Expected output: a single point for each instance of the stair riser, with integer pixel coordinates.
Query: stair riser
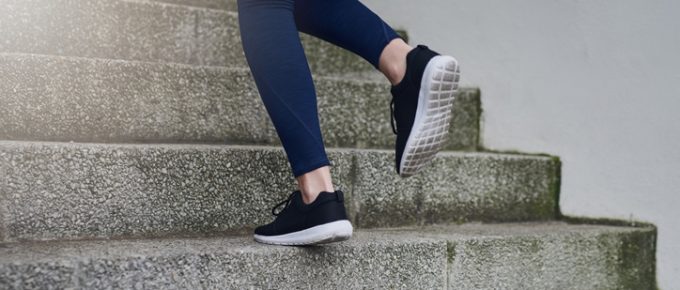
(73, 99)
(573, 261)
(146, 31)
(233, 265)
(65, 191)
(455, 188)
(582, 259)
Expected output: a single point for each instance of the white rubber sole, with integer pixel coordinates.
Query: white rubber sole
(433, 115)
(326, 233)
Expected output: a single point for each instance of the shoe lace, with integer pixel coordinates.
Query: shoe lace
(285, 203)
(393, 121)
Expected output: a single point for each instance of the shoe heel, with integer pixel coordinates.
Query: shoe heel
(339, 231)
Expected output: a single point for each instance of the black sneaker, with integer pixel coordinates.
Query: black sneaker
(322, 221)
(422, 107)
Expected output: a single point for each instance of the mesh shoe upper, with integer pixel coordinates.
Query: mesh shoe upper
(296, 215)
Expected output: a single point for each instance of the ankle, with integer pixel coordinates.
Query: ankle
(314, 182)
(393, 60)
(395, 72)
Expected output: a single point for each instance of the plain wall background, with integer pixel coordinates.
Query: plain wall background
(595, 82)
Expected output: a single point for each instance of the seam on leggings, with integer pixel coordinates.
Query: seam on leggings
(304, 125)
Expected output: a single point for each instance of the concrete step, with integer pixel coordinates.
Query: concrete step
(78, 190)
(472, 256)
(52, 98)
(145, 31)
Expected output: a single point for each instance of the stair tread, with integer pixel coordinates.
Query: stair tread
(549, 255)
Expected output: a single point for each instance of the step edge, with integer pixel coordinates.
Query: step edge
(204, 146)
(453, 232)
(190, 5)
(179, 65)
(180, 6)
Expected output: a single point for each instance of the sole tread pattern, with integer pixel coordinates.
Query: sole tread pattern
(434, 114)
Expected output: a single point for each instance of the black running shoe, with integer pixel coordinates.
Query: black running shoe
(322, 221)
(422, 107)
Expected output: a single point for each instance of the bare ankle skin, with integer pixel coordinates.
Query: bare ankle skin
(392, 61)
(314, 182)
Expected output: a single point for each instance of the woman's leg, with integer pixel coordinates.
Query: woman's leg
(277, 61)
(279, 66)
(424, 83)
(351, 25)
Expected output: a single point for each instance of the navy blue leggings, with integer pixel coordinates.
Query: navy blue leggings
(269, 31)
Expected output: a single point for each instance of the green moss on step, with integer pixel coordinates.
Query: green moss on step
(606, 221)
(480, 113)
(517, 152)
(450, 251)
(556, 185)
(637, 261)
(632, 256)
(550, 207)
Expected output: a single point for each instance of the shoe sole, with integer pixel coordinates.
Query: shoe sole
(433, 115)
(326, 233)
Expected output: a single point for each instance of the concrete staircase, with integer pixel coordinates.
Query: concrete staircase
(136, 153)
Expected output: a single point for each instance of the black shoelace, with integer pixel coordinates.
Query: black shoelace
(393, 121)
(285, 202)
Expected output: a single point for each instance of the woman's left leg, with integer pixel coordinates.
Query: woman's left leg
(423, 82)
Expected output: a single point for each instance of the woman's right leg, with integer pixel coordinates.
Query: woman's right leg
(277, 61)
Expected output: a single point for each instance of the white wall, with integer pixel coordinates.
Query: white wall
(595, 82)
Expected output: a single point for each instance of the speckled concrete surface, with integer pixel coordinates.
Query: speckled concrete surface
(144, 30)
(214, 4)
(226, 263)
(57, 191)
(549, 255)
(472, 256)
(456, 187)
(51, 98)
(61, 190)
